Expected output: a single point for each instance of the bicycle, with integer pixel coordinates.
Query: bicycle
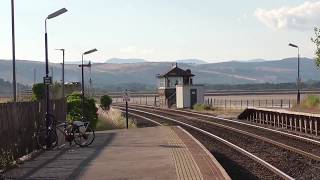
(78, 132)
(47, 138)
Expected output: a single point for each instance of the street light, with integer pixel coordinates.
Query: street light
(298, 79)
(48, 80)
(14, 83)
(62, 70)
(82, 79)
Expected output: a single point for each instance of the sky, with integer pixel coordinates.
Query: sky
(161, 30)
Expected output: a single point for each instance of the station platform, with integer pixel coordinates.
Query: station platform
(144, 153)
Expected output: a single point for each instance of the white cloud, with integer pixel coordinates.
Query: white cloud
(302, 17)
(242, 18)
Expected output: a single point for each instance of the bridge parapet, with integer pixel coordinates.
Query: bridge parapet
(307, 123)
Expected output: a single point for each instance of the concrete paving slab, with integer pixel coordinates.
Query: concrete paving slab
(146, 153)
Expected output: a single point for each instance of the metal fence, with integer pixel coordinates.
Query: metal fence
(245, 103)
(19, 122)
(219, 103)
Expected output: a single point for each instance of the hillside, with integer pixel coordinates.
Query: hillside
(6, 88)
(142, 75)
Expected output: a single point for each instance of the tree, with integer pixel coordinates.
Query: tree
(38, 92)
(316, 41)
(105, 102)
(75, 109)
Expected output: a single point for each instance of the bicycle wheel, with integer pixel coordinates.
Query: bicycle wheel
(82, 138)
(43, 139)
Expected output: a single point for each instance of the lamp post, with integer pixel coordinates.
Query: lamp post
(82, 79)
(63, 95)
(48, 80)
(14, 82)
(298, 79)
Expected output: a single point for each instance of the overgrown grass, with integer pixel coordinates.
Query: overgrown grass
(202, 107)
(6, 159)
(230, 113)
(311, 102)
(112, 119)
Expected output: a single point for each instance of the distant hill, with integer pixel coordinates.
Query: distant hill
(124, 61)
(6, 88)
(143, 75)
(192, 61)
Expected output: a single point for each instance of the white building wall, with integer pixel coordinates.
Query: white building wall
(183, 95)
(179, 97)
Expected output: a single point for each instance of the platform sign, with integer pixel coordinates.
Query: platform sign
(47, 80)
(126, 96)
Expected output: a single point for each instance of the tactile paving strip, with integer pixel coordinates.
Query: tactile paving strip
(186, 167)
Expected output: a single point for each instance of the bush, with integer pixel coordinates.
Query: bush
(75, 108)
(201, 107)
(38, 91)
(105, 102)
(312, 101)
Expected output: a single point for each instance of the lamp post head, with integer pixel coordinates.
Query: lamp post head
(57, 13)
(60, 49)
(293, 45)
(90, 51)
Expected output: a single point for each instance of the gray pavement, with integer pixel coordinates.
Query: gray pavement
(146, 153)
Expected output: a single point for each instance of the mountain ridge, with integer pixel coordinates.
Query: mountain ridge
(143, 74)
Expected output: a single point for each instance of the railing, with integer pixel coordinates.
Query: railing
(247, 103)
(294, 121)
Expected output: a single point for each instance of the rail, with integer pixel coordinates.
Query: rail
(233, 146)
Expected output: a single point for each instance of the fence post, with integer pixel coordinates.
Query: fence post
(230, 103)
(146, 100)
(289, 104)
(266, 102)
(225, 104)
(241, 103)
(155, 101)
(272, 103)
(247, 103)
(211, 102)
(281, 103)
(253, 102)
(259, 103)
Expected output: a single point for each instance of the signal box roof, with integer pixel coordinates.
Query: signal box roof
(177, 72)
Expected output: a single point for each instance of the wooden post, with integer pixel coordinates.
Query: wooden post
(281, 103)
(310, 125)
(295, 122)
(300, 123)
(247, 103)
(211, 102)
(290, 118)
(316, 126)
(259, 103)
(241, 103)
(305, 124)
(272, 103)
(278, 119)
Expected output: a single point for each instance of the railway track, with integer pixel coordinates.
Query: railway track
(289, 156)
